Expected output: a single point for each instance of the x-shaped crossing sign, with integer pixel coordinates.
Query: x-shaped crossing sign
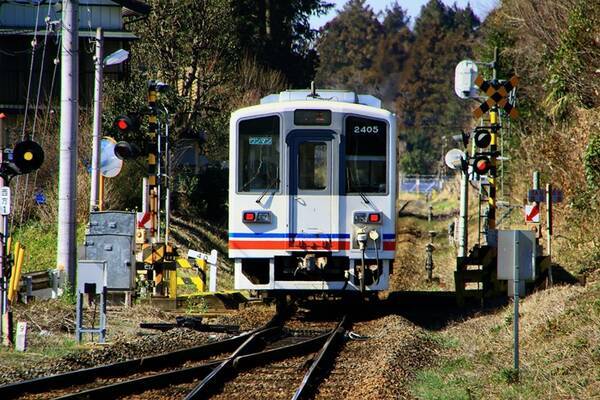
(497, 95)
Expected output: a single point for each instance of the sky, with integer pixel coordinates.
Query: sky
(413, 7)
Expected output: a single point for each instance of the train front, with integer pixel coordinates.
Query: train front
(312, 190)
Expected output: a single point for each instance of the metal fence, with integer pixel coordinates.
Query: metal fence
(421, 183)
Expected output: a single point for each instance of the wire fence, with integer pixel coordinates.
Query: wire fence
(421, 183)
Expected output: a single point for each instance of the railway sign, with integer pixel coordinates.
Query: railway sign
(5, 200)
(539, 195)
(497, 95)
(532, 213)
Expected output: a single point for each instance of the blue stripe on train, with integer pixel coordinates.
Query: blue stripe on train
(386, 236)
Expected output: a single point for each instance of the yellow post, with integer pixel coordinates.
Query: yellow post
(201, 264)
(173, 284)
(101, 194)
(16, 276)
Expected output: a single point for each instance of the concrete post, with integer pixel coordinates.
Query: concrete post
(69, 116)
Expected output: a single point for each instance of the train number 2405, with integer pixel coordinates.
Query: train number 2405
(366, 129)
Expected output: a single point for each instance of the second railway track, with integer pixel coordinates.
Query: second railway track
(230, 369)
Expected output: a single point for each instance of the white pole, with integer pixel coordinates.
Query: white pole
(463, 218)
(167, 181)
(69, 115)
(99, 61)
(517, 283)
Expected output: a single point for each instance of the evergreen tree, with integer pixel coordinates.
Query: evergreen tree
(392, 52)
(427, 106)
(277, 34)
(347, 48)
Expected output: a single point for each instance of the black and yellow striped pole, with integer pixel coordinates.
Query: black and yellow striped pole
(494, 130)
(152, 128)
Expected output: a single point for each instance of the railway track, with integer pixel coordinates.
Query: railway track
(199, 372)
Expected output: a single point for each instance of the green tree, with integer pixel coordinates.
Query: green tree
(277, 34)
(427, 103)
(347, 47)
(392, 52)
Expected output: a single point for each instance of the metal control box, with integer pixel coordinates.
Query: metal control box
(117, 251)
(509, 252)
(91, 272)
(112, 222)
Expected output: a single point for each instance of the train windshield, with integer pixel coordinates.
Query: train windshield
(366, 146)
(258, 157)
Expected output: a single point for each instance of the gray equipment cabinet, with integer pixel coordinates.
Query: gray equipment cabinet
(111, 238)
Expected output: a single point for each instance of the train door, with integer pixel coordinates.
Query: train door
(311, 188)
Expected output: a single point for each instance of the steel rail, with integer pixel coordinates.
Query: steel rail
(223, 370)
(325, 355)
(189, 374)
(77, 377)
(144, 383)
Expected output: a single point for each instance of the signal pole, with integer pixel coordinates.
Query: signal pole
(69, 116)
(493, 148)
(99, 63)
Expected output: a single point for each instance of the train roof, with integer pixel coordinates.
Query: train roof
(336, 100)
(344, 96)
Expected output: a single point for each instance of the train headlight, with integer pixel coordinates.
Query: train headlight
(257, 217)
(361, 218)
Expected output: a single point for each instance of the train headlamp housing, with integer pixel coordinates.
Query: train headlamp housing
(361, 217)
(256, 217)
(365, 217)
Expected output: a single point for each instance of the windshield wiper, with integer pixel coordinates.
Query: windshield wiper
(364, 197)
(271, 184)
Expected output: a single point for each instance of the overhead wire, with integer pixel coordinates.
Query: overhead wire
(36, 111)
(33, 45)
(48, 105)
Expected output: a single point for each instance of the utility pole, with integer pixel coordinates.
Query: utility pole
(4, 265)
(69, 116)
(99, 63)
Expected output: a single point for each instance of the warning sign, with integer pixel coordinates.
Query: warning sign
(532, 213)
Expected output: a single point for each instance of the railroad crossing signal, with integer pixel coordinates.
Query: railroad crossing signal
(497, 95)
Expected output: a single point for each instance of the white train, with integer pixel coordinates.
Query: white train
(312, 193)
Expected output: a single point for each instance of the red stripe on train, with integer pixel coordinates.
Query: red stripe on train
(286, 245)
(296, 245)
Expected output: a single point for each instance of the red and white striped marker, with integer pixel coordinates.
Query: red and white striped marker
(532, 213)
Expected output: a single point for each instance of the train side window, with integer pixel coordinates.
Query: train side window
(258, 154)
(366, 150)
(312, 166)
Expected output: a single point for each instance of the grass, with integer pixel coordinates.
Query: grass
(560, 351)
(40, 241)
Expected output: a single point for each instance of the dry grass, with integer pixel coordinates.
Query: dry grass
(560, 350)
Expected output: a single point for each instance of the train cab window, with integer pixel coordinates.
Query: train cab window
(258, 155)
(312, 166)
(366, 149)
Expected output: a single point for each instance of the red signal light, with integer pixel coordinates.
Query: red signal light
(249, 217)
(122, 124)
(375, 218)
(482, 165)
(127, 123)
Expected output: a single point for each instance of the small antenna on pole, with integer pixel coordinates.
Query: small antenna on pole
(313, 90)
